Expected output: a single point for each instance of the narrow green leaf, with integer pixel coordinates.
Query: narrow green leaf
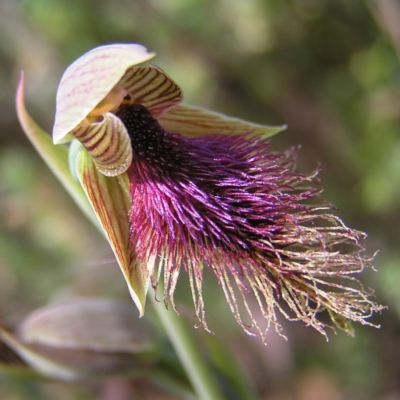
(56, 157)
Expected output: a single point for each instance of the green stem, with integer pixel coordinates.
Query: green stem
(188, 352)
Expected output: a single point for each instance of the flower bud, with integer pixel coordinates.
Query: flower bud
(82, 339)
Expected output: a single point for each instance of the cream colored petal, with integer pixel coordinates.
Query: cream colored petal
(195, 121)
(151, 87)
(88, 80)
(111, 203)
(107, 142)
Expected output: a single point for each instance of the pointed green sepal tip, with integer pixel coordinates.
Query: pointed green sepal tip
(111, 202)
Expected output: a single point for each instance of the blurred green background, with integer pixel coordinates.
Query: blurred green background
(329, 69)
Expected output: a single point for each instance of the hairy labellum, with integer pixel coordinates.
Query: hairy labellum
(231, 204)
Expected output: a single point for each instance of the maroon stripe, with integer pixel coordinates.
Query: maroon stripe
(93, 145)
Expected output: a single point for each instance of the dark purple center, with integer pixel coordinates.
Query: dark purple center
(150, 142)
(209, 193)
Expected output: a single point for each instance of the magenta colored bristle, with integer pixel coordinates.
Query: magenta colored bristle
(230, 203)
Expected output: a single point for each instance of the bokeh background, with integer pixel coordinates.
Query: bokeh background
(327, 68)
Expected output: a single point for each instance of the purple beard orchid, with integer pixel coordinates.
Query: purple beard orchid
(178, 188)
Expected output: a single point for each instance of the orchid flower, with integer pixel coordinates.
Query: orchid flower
(177, 187)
